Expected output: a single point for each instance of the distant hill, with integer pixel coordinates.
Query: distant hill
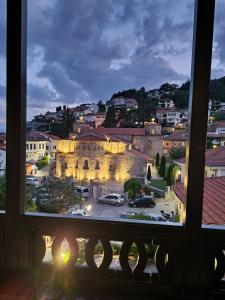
(179, 94)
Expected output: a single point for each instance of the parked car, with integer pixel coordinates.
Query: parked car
(79, 212)
(32, 180)
(82, 191)
(114, 199)
(142, 201)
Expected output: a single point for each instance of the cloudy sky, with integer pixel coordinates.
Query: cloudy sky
(83, 51)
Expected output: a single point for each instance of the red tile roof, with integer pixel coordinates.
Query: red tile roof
(176, 137)
(139, 154)
(37, 136)
(213, 201)
(218, 124)
(121, 131)
(90, 136)
(213, 157)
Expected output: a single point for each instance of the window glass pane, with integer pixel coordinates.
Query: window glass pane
(2, 102)
(107, 100)
(214, 183)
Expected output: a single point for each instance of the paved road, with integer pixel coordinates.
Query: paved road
(111, 211)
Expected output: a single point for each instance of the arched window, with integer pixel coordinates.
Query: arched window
(97, 167)
(85, 167)
(77, 165)
(111, 168)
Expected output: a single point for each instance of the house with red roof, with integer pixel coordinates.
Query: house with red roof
(213, 200)
(214, 164)
(169, 116)
(175, 140)
(40, 144)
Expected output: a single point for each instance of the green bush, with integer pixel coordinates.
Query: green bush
(42, 163)
(132, 187)
(56, 197)
(176, 153)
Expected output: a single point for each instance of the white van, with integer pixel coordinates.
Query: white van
(82, 191)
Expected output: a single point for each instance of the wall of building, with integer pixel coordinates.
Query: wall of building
(97, 161)
(154, 146)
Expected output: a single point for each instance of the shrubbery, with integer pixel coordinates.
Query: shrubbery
(56, 197)
(42, 162)
(177, 152)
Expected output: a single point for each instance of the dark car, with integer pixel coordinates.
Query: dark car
(143, 201)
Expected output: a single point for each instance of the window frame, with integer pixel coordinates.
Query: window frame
(16, 130)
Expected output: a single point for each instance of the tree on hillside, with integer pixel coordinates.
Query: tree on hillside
(162, 167)
(101, 106)
(149, 174)
(157, 160)
(110, 120)
(167, 87)
(170, 176)
(132, 187)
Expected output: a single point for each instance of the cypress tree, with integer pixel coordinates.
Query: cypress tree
(170, 176)
(157, 160)
(162, 167)
(149, 173)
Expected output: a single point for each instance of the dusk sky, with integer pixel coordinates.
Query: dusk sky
(83, 51)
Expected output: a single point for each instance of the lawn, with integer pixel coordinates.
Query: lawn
(159, 184)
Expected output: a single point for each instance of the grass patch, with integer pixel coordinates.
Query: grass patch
(159, 184)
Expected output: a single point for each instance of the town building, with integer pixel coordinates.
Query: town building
(166, 103)
(213, 201)
(99, 118)
(101, 155)
(174, 141)
(40, 144)
(168, 116)
(120, 102)
(214, 164)
(216, 133)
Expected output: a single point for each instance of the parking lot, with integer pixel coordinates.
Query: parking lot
(111, 211)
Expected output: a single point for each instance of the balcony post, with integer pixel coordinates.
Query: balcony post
(16, 127)
(198, 111)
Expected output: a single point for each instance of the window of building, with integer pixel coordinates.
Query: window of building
(97, 166)
(85, 166)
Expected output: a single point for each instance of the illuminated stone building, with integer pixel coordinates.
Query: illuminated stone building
(97, 156)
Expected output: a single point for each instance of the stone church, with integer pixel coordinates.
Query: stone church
(103, 154)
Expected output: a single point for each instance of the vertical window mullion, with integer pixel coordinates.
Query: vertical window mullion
(16, 125)
(198, 111)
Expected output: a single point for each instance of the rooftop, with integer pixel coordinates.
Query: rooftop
(213, 201)
(40, 136)
(176, 137)
(121, 131)
(213, 157)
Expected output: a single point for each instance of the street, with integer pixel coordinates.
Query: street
(96, 209)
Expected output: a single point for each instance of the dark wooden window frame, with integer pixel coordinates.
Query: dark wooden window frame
(15, 219)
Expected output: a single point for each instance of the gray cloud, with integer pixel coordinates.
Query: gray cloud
(83, 39)
(93, 48)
